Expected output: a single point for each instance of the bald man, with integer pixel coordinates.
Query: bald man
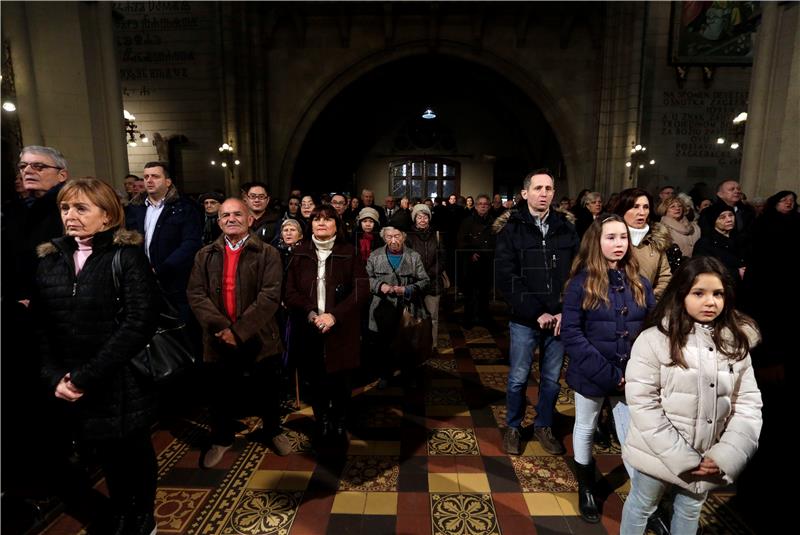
(235, 291)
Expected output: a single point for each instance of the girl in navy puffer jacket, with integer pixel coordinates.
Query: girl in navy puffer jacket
(605, 303)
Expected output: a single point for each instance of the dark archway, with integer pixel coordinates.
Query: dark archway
(490, 119)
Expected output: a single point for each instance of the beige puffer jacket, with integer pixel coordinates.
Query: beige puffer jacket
(651, 254)
(712, 408)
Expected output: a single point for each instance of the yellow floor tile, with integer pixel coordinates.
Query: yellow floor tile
(447, 410)
(533, 448)
(294, 480)
(381, 503)
(442, 482)
(265, 479)
(491, 369)
(373, 447)
(542, 503)
(568, 501)
(349, 502)
(473, 483)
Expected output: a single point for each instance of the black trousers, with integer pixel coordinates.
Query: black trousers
(235, 388)
(131, 470)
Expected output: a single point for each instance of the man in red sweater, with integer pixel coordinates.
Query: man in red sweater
(234, 291)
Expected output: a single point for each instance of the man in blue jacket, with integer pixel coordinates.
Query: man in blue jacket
(172, 229)
(534, 252)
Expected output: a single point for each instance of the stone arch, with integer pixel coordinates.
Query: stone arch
(550, 107)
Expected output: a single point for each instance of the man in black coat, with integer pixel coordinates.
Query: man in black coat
(534, 253)
(476, 242)
(729, 195)
(172, 230)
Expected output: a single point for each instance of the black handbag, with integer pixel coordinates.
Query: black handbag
(170, 351)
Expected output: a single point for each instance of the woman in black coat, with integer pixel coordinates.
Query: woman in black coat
(89, 337)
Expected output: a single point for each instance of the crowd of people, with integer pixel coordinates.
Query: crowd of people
(638, 295)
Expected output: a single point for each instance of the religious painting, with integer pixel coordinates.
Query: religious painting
(713, 33)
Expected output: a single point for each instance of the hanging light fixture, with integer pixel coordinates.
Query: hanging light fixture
(429, 114)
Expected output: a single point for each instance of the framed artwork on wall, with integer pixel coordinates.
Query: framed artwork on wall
(713, 33)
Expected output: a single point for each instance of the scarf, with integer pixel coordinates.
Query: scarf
(638, 234)
(324, 250)
(365, 244)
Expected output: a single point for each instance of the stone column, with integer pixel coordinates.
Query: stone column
(771, 157)
(620, 92)
(68, 83)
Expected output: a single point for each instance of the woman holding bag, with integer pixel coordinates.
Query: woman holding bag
(90, 333)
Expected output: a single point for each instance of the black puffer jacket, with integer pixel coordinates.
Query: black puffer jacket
(531, 269)
(80, 332)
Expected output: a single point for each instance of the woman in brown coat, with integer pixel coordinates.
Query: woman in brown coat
(326, 324)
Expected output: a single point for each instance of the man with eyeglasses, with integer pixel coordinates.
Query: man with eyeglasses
(41, 464)
(265, 218)
(43, 171)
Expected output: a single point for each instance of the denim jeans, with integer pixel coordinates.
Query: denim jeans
(523, 340)
(643, 499)
(587, 410)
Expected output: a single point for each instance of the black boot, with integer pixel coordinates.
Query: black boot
(586, 503)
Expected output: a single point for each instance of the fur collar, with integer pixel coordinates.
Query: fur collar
(502, 220)
(658, 237)
(121, 237)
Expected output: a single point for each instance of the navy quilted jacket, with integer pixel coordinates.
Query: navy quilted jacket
(599, 341)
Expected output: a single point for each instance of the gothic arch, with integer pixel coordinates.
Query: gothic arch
(551, 108)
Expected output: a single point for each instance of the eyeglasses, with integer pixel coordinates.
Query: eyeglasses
(37, 166)
(338, 203)
(257, 197)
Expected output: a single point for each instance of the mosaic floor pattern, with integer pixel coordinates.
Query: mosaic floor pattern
(425, 461)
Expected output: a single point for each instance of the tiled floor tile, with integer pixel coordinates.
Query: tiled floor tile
(381, 503)
(349, 502)
(450, 441)
(542, 503)
(464, 513)
(370, 473)
(473, 483)
(443, 482)
(544, 474)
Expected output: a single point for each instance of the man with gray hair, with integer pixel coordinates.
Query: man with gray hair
(368, 200)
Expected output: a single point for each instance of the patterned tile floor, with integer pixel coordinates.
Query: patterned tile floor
(426, 461)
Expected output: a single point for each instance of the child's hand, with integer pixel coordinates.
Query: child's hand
(707, 467)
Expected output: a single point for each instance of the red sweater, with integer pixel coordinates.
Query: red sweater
(229, 280)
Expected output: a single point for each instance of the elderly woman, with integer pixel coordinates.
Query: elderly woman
(683, 232)
(427, 243)
(650, 241)
(397, 277)
(326, 289)
(90, 334)
(587, 212)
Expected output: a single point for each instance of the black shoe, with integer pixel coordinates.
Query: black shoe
(586, 503)
(511, 441)
(550, 444)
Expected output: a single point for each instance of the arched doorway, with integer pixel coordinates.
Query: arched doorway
(354, 130)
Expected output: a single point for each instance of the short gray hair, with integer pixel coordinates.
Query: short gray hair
(53, 154)
(389, 227)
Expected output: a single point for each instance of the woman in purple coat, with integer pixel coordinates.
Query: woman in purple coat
(605, 303)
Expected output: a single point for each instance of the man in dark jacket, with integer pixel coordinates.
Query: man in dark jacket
(729, 196)
(265, 216)
(235, 291)
(210, 202)
(476, 243)
(172, 230)
(534, 252)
